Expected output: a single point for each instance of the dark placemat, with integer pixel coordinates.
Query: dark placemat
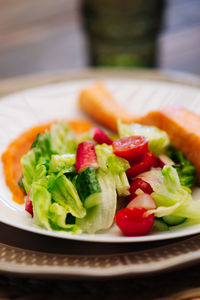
(186, 283)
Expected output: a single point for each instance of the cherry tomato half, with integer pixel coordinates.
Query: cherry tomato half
(133, 221)
(131, 148)
(139, 183)
(148, 161)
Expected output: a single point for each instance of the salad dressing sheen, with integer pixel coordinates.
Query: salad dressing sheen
(20, 146)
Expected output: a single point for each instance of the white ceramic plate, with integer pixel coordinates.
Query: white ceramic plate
(21, 111)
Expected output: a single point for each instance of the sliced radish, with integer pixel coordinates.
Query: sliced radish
(164, 160)
(153, 177)
(29, 204)
(143, 200)
(86, 156)
(101, 137)
(139, 183)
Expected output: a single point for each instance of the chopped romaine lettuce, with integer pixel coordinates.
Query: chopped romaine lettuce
(116, 165)
(41, 200)
(28, 162)
(186, 170)
(65, 194)
(173, 199)
(170, 193)
(158, 139)
(64, 163)
(122, 184)
(41, 145)
(57, 219)
(62, 139)
(103, 152)
(34, 169)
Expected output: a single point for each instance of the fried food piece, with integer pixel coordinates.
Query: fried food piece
(98, 103)
(183, 128)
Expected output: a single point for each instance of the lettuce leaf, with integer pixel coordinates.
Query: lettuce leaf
(158, 139)
(186, 170)
(59, 140)
(47, 214)
(116, 165)
(173, 199)
(65, 194)
(42, 145)
(62, 139)
(103, 152)
(57, 217)
(35, 168)
(64, 163)
(41, 200)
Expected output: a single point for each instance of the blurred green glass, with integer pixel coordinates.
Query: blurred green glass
(122, 33)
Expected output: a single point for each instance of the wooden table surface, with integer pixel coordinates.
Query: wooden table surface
(40, 36)
(46, 36)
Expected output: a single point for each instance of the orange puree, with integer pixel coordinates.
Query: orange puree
(20, 146)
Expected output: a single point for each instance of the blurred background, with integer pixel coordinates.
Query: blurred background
(48, 35)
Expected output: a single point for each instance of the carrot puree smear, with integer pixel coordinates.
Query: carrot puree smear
(20, 146)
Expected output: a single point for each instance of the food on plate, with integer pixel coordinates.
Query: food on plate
(81, 179)
(73, 183)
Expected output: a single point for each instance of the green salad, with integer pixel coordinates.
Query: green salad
(75, 182)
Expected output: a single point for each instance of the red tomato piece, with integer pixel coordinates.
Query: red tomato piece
(131, 148)
(143, 200)
(139, 183)
(154, 159)
(148, 161)
(134, 221)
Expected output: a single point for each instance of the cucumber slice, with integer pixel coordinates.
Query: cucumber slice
(173, 220)
(159, 225)
(101, 217)
(88, 187)
(92, 200)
